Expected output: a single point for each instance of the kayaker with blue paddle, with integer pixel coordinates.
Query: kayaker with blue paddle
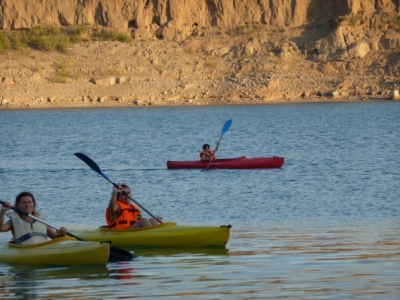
(122, 214)
(207, 154)
(25, 229)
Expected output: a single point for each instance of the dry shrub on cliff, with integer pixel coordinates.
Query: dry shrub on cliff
(50, 43)
(11, 40)
(110, 35)
(56, 38)
(40, 38)
(244, 30)
(62, 72)
(4, 43)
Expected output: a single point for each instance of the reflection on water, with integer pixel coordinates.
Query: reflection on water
(123, 271)
(180, 251)
(23, 282)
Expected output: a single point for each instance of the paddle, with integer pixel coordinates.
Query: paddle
(116, 254)
(87, 160)
(226, 127)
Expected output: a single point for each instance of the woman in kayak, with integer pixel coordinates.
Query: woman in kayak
(121, 214)
(207, 154)
(25, 229)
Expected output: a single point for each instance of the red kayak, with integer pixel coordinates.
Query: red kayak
(241, 162)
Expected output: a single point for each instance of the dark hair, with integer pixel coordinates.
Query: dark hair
(23, 194)
(123, 185)
(206, 145)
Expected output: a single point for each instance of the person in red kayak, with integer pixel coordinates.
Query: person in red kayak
(122, 214)
(25, 229)
(207, 154)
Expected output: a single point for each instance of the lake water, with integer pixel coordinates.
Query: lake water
(325, 226)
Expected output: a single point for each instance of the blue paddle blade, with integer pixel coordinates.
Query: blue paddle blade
(87, 160)
(226, 127)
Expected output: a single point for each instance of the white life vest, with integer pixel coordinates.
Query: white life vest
(26, 233)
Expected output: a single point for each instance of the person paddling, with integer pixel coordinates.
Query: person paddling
(207, 154)
(121, 214)
(25, 229)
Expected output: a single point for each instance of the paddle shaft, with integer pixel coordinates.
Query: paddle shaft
(225, 128)
(115, 253)
(41, 221)
(209, 163)
(87, 160)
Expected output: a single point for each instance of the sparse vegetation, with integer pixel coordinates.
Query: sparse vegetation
(356, 20)
(244, 30)
(62, 73)
(56, 39)
(79, 33)
(4, 43)
(110, 35)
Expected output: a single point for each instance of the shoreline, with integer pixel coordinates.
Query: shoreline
(100, 105)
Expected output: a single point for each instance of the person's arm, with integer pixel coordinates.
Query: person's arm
(56, 234)
(205, 157)
(113, 205)
(7, 225)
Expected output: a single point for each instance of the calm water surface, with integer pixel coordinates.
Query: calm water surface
(325, 226)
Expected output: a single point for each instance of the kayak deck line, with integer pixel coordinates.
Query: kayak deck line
(168, 234)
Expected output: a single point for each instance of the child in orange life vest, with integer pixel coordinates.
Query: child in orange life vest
(207, 154)
(121, 214)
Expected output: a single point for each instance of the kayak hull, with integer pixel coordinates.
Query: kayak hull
(63, 251)
(167, 234)
(242, 162)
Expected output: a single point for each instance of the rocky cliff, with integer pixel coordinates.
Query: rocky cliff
(206, 51)
(178, 19)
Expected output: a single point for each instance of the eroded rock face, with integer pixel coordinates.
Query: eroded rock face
(178, 19)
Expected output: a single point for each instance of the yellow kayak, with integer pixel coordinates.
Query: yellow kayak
(163, 235)
(65, 251)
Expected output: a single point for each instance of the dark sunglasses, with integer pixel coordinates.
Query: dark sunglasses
(124, 193)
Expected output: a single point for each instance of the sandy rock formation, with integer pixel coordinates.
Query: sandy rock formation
(205, 52)
(178, 19)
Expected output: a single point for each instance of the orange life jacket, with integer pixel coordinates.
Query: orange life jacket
(129, 215)
(209, 154)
